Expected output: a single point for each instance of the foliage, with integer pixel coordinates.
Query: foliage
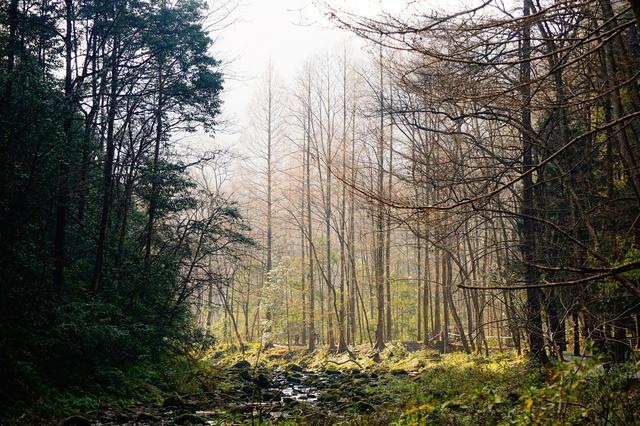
(82, 162)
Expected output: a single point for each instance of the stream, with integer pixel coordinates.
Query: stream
(254, 396)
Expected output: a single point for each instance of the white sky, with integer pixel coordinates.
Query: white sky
(285, 32)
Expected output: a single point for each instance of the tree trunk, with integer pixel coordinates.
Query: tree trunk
(534, 317)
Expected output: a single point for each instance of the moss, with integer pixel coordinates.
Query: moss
(189, 419)
(76, 421)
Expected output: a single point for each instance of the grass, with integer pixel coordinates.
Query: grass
(397, 388)
(425, 387)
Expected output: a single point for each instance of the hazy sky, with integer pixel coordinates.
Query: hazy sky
(285, 32)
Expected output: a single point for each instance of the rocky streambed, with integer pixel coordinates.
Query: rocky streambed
(246, 394)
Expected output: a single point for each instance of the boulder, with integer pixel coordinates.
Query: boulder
(173, 401)
(189, 419)
(242, 365)
(365, 407)
(123, 417)
(76, 421)
(271, 396)
(262, 381)
(294, 367)
(147, 417)
(293, 379)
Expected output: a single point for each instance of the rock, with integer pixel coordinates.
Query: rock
(513, 396)
(247, 390)
(365, 407)
(293, 379)
(189, 419)
(311, 382)
(76, 421)
(294, 367)
(242, 365)
(146, 417)
(173, 401)
(357, 373)
(190, 404)
(244, 375)
(329, 396)
(271, 395)
(262, 381)
(123, 417)
(412, 346)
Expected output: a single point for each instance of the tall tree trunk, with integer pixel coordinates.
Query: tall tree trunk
(63, 172)
(437, 327)
(352, 239)
(387, 259)
(445, 302)
(303, 272)
(342, 345)
(426, 293)
(153, 199)
(534, 316)
(379, 256)
(454, 311)
(312, 320)
(12, 43)
(107, 171)
(419, 267)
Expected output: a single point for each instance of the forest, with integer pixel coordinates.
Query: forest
(434, 222)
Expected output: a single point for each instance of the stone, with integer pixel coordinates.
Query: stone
(365, 407)
(123, 417)
(76, 421)
(189, 419)
(271, 396)
(295, 367)
(242, 365)
(293, 379)
(329, 396)
(147, 417)
(357, 373)
(244, 375)
(262, 381)
(247, 390)
(173, 401)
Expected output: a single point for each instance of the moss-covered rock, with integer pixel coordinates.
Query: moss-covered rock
(147, 417)
(242, 365)
(173, 401)
(294, 367)
(76, 421)
(189, 419)
(262, 381)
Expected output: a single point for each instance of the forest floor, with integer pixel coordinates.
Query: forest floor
(403, 385)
